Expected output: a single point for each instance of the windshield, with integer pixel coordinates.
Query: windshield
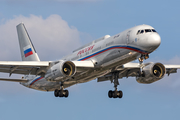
(145, 31)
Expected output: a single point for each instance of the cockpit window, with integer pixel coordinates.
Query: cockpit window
(153, 30)
(138, 32)
(147, 30)
(142, 31)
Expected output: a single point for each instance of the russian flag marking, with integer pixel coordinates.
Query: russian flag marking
(28, 52)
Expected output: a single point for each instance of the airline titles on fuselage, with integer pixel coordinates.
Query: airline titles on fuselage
(85, 50)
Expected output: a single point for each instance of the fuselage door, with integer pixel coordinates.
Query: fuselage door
(128, 37)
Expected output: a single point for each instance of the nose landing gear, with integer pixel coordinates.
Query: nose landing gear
(141, 59)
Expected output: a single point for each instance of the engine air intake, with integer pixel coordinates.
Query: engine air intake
(68, 69)
(152, 72)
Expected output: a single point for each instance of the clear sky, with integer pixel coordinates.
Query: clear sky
(57, 27)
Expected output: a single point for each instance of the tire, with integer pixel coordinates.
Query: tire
(66, 93)
(56, 93)
(110, 94)
(120, 94)
(114, 94)
(60, 93)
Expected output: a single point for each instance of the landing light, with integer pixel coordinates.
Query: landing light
(130, 53)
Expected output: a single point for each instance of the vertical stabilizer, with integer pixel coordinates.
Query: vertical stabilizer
(28, 52)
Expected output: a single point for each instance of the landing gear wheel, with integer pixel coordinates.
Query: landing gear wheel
(56, 92)
(61, 93)
(120, 94)
(115, 94)
(66, 93)
(110, 94)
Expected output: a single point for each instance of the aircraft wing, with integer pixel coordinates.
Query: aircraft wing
(14, 80)
(23, 67)
(171, 69)
(36, 67)
(131, 69)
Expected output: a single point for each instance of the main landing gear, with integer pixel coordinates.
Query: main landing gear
(115, 93)
(61, 92)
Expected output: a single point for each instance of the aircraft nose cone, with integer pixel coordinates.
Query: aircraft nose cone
(154, 40)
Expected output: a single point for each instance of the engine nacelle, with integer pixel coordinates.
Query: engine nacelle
(152, 73)
(62, 69)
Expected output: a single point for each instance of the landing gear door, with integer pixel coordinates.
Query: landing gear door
(128, 37)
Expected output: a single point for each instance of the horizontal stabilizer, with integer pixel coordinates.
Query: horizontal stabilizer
(14, 80)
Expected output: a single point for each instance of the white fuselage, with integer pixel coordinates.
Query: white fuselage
(107, 54)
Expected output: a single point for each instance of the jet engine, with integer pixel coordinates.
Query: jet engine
(60, 70)
(151, 73)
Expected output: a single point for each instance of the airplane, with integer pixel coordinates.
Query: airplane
(108, 58)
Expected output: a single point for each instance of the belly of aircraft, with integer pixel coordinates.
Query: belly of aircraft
(85, 76)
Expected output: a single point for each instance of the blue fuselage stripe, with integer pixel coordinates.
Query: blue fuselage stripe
(115, 47)
(35, 80)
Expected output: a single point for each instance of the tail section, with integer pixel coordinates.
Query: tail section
(28, 52)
